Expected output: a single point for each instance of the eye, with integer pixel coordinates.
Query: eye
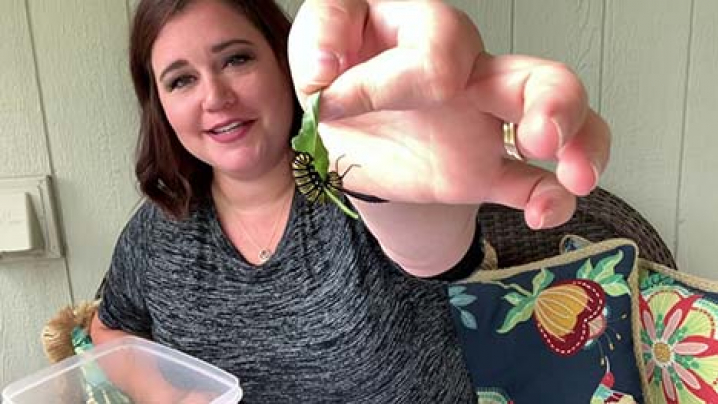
(238, 59)
(180, 82)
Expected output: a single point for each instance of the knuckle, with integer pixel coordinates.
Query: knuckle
(324, 19)
(441, 80)
(364, 99)
(448, 62)
(564, 72)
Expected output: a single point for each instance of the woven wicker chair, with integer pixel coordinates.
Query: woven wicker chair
(599, 216)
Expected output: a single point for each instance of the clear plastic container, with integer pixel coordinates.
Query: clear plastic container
(128, 370)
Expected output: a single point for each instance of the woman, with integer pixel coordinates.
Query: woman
(228, 262)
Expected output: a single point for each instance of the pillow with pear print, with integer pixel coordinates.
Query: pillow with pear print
(552, 331)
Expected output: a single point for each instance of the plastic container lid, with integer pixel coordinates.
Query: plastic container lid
(102, 369)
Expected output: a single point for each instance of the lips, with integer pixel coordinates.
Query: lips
(226, 128)
(230, 131)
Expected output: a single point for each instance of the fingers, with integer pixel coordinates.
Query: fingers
(550, 105)
(548, 200)
(389, 55)
(545, 202)
(582, 161)
(325, 37)
(545, 98)
(414, 55)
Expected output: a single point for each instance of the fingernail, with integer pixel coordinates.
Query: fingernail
(552, 193)
(561, 136)
(548, 218)
(326, 67)
(542, 219)
(597, 168)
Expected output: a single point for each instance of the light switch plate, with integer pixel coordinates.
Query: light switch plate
(39, 188)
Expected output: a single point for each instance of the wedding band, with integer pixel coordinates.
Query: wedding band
(512, 150)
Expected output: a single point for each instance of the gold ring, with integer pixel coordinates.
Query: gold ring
(512, 150)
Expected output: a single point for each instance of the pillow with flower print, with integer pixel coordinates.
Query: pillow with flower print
(675, 332)
(552, 331)
(677, 335)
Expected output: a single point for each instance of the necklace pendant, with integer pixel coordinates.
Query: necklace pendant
(265, 255)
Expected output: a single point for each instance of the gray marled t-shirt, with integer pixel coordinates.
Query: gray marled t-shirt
(328, 319)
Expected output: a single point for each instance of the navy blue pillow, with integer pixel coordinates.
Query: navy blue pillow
(553, 331)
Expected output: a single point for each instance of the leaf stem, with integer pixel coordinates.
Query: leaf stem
(341, 204)
(509, 287)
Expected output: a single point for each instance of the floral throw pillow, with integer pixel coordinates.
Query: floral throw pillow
(677, 335)
(675, 332)
(553, 331)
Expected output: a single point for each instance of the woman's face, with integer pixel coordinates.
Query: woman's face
(223, 90)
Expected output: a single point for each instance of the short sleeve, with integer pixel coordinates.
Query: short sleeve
(123, 300)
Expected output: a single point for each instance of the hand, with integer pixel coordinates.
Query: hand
(195, 397)
(412, 97)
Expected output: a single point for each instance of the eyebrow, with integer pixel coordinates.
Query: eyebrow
(177, 64)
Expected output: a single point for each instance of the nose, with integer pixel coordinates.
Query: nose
(218, 95)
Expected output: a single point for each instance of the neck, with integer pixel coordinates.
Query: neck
(255, 196)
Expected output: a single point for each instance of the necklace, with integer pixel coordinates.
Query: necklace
(265, 253)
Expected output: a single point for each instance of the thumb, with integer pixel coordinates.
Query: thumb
(325, 37)
(545, 202)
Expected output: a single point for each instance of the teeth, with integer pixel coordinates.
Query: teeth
(227, 128)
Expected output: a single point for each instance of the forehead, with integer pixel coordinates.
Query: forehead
(200, 25)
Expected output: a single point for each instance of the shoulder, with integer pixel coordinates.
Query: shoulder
(145, 217)
(150, 224)
(137, 231)
(150, 216)
(152, 239)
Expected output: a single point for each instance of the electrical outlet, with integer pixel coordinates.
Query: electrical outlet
(39, 240)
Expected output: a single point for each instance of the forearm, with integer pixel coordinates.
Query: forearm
(424, 239)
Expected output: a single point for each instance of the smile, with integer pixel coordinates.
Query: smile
(230, 132)
(226, 128)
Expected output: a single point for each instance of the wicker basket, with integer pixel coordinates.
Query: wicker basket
(599, 216)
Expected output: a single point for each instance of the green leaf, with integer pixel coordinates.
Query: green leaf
(541, 280)
(615, 286)
(616, 278)
(585, 271)
(606, 267)
(334, 198)
(456, 290)
(617, 289)
(517, 315)
(308, 139)
(514, 298)
(462, 300)
(468, 320)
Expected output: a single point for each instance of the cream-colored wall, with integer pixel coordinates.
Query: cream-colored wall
(66, 110)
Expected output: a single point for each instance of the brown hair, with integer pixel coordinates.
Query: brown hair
(167, 173)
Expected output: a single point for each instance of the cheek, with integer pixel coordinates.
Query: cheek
(283, 113)
(274, 97)
(178, 114)
(284, 103)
